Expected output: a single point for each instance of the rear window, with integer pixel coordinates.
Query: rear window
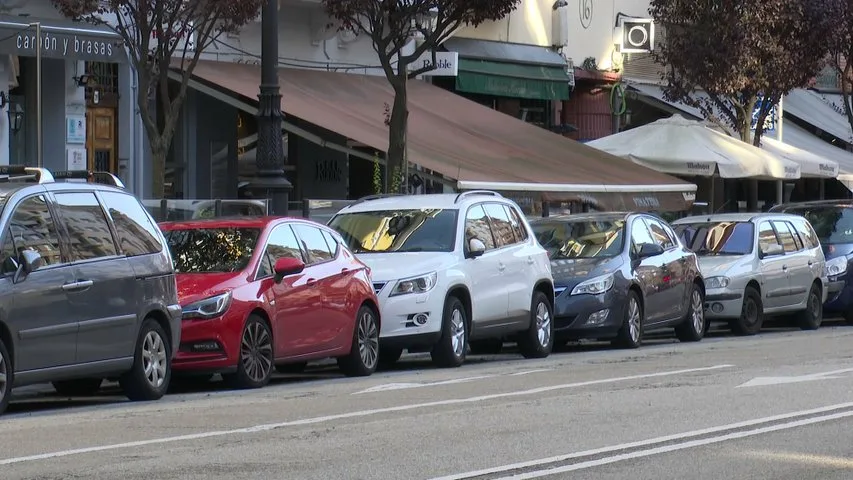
(833, 225)
(212, 250)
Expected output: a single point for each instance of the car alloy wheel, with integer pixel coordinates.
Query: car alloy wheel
(457, 330)
(543, 324)
(368, 339)
(256, 352)
(697, 311)
(154, 359)
(634, 320)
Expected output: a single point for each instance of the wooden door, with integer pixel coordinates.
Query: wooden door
(101, 139)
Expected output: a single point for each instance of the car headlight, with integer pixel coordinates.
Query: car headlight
(210, 307)
(594, 286)
(717, 282)
(835, 267)
(419, 284)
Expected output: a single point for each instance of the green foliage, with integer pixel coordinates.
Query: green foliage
(737, 51)
(377, 174)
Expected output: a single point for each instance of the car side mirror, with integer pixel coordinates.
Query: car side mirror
(476, 248)
(28, 262)
(772, 250)
(649, 250)
(287, 266)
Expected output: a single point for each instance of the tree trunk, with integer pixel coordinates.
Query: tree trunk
(158, 168)
(745, 130)
(398, 125)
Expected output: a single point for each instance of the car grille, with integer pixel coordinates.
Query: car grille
(378, 286)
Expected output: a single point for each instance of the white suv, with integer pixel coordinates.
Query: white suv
(449, 268)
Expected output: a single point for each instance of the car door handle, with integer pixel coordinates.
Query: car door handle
(311, 282)
(811, 263)
(344, 270)
(501, 267)
(77, 286)
(530, 260)
(784, 267)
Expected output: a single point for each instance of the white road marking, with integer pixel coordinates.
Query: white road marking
(658, 440)
(801, 458)
(527, 372)
(764, 381)
(402, 386)
(341, 416)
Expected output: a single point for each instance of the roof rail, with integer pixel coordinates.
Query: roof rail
(105, 178)
(476, 192)
(9, 173)
(374, 197)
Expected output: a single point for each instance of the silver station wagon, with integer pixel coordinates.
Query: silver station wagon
(758, 264)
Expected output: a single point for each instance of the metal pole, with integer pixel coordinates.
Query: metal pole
(269, 161)
(39, 146)
(780, 188)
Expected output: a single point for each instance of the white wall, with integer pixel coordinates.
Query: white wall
(529, 24)
(304, 42)
(594, 37)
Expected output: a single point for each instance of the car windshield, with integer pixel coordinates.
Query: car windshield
(833, 225)
(421, 230)
(212, 250)
(581, 239)
(717, 238)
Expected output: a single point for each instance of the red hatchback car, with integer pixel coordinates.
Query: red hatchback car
(270, 292)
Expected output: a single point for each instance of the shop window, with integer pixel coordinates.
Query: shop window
(536, 112)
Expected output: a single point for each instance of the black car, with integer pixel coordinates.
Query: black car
(619, 275)
(833, 223)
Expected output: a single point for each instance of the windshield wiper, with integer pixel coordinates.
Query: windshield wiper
(411, 249)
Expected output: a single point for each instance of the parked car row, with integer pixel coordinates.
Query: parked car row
(94, 290)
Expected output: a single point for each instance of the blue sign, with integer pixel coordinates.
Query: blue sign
(769, 121)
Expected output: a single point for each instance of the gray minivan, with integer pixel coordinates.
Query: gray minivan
(87, 288)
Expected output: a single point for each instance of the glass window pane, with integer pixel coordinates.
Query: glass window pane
(786, 237)
(501, 226)
(766, 237)
(89, 232)
(315, 246)
(477, 226)
(516, 223)
(137, 234)
(32, 228)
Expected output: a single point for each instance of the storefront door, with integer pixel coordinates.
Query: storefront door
(101, 139)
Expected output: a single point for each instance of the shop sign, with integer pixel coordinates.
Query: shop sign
(446, 64)
(62, 43)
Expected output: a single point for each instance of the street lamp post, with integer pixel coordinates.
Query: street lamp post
(270, 181)
(39, 139)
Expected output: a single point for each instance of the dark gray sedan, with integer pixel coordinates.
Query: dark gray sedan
(619, 275)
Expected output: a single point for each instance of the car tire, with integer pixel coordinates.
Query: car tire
(492, 346)
(452, 346)
(812, 316)
(751, 316)
(292, 368)
(148, 378)
(256, 358)
(631, 333)
(692, 329)
(83, 387)
(389, 356)
(7, 376)
(363, 357)
(538, 340)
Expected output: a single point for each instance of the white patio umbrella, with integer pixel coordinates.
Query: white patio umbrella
(811, 165)
(681, 146)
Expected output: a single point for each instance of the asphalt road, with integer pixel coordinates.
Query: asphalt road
(776, 406)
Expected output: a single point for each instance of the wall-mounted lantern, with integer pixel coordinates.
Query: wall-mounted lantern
(16, 117)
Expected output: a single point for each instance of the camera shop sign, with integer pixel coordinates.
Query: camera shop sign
(65, 44)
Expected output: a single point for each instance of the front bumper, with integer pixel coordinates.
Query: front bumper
(839, 295)
(723, 303)
(414, 315)
(589, 316)
(208, 346)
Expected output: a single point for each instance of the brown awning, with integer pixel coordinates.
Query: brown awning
(475, 145)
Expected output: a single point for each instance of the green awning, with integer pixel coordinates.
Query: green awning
(512, 79)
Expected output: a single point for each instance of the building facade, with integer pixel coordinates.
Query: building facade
(88, 120)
